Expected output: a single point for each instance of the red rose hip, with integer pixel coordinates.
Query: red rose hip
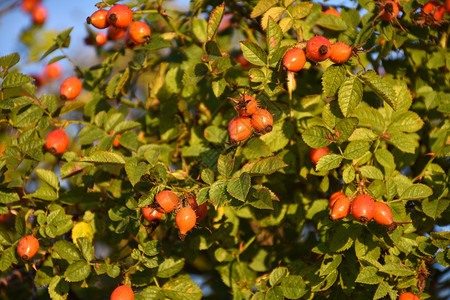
(383, 214)
(239, 129)
(28, 247)
(363, 208)
(294, 60)
(123, 292)
(57, 142)
(70, 88)
(318, 48)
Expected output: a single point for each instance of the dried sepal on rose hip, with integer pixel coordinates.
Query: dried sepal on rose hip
(432, 14)
(246, 105)
(388, 11)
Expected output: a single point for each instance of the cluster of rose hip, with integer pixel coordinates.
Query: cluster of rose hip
(432, 13)
(188, 213)
(317, 49)
(37, 11)
(363, 209)
(119, 21)
(249, 116)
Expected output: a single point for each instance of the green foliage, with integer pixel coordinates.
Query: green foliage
(383, 115)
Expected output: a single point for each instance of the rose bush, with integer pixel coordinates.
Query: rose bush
(382, 114)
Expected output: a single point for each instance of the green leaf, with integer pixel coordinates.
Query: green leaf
(302, 9)
(125, 125)
(293, 287)
(199, 28)
(381, 87)
(370, 117)
(239, 187)
(7, 196)
(152, 248)
(182, 288)
(274, 14)
(70, 106)
(261, 199)
(9, 61)
(371, 172)
(407, 121)
(225, 165)
(396, 269)
(403, 141)
(194, 74)
(332, 79)
(45, 192)
(67, 251)
(214, 21)
(58, 288)
(219, 85)
(71, 168)
(434, 207)
(63, 39)
(385, 158)
(151, 156)
(344, 129)
(77, 271)
(135, 170)
(15, 80)
(382, 290)
(7, 258)
(261, 7)
(317, 137)
(202, 195)
(350, 95)
(49, 177)
(331, 22)
(86, 248)
(274, 37)
(254, 53)
(368, 275)
(207, 176)
(348, 175)
(28, 116)
(215, 134)
(101, 156)
(355, 150)
(416, 191)
(343, 238)
(277, 275)
(328, 162)
(169, 267)
(264, 166)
